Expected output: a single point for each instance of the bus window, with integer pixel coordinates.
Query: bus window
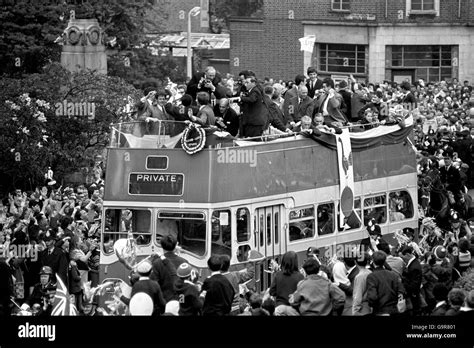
(120, 221)
(301, 224)
(243, 253)
(276, 231)
(261, 230)
(269, 228)
(221, 233)
(325, 219)
(189, 229)
(243, 225)
(354, 220)
(400, 206)
(375, 208)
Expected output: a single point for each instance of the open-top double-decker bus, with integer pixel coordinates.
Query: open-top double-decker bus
(277, 194)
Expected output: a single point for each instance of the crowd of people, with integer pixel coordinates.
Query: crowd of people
(429, 273)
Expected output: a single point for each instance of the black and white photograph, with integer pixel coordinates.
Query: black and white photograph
(223, 159)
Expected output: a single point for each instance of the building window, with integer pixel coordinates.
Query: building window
(342, 58)
(340, 5)
(423, 5)
(431, 63)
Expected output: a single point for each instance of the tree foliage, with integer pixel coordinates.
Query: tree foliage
(222, 10)
(29, 28)
(35, 135)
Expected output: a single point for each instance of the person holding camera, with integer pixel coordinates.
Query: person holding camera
(207, 81)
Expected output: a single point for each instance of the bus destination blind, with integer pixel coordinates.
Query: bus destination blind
(156, 184)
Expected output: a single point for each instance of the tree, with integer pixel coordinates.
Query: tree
(222, 10)
(30, 29)
(37, 131)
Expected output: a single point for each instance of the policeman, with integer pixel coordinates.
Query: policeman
(40, 295)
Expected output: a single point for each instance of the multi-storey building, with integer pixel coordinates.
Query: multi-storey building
(374, 40)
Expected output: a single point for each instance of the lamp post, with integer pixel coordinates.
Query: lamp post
(189, 68)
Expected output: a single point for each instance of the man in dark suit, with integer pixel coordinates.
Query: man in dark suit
(217, 290)
(408, 100)
(412, 277)
(313, 84)
(329, 104)
(207, 81)
(346, 97)
(450, 176)
(54, 257)
(205, 116)
(227, 118)
(180, 112)
(275, 115)
(300, 81)
(254, 110)
(300, 106)
(383, 287)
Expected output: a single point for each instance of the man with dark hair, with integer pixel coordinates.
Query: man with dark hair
(180, 112)
(408, 99)
(168, 243)
(254, 110)
(346, 97)
(412, 277)
(383, 287)
(236, 278)
(329, 104)
(316, 295)
(313, 84)
(360, 304)
(217, 291)
(440, 293)
(205, 115)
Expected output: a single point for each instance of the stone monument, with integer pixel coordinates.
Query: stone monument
(83, 46)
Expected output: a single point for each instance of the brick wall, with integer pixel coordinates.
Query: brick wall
(274, 50)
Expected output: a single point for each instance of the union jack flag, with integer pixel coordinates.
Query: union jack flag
(62, 305)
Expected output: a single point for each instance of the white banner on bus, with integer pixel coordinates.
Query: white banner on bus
(346, 175)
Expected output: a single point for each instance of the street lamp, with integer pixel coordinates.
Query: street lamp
(189, 68)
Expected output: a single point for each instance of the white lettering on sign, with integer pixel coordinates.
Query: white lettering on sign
(156, 178)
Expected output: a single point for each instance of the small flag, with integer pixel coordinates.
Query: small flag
(62, 305)
(307, 43)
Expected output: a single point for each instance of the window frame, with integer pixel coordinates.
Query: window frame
(410, 11)
(125, 233)
(301, 219)
(339, 4)
(205, 218)
(323, 58)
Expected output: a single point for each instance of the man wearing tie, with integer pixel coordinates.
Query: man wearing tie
(329, 104)
(300, 106)
(313, 84)
(154, 111)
